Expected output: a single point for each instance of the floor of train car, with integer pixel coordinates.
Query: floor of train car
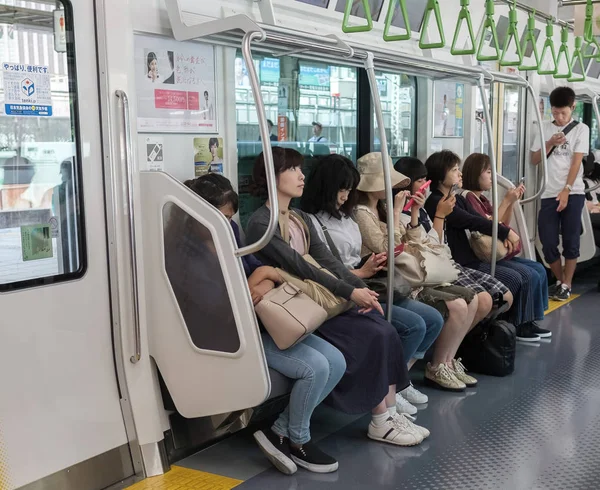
(537, 429)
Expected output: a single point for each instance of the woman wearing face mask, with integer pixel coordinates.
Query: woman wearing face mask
(371, 346)
(314, 364)
(330, 198)
(459, 306)
(477, 178)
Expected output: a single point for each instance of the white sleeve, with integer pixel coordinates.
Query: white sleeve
(537, 145)
(582, 141)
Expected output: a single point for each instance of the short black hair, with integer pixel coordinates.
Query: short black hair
(474, 166)
(212, 142)
(215, 189)
(283, 159)
(270, 123)
(413, 168)
(562, 97)
(439, 164)
(331, 174)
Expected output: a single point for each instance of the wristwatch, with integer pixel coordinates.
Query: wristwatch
(570, 187)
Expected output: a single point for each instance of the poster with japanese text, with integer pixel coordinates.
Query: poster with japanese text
(26, 90)
(176, 86)
(208, 156)
(448, 117)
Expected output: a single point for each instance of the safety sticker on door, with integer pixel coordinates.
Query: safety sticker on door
(36, 242)
(27, 90)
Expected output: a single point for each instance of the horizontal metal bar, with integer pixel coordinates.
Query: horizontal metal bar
(538, 14)
(569, 3)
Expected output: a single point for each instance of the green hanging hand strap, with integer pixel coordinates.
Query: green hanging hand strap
(577, 58)
(490, 24)
(432, 6)
(390, 17)
(563, 52)
(347, 28)
(530, 38)
(512, 34)
(588, 34)
(548, 46)
(463, 16)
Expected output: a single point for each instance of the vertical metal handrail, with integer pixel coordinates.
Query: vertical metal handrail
(595, 101)
(266, 144)
(544, 179)
(492, 155)
(132, 238)
(389, 198)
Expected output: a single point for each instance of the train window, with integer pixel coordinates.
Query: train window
(398, 101)
(317, 3)
(358, 9)
(195, 274)
(297, 93)
(416, 14)
(41, 218)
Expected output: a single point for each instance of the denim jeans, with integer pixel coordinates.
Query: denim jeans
(418, 326)
(540, 300)
(317, 366)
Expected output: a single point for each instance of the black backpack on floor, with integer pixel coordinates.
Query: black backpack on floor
(490, 348)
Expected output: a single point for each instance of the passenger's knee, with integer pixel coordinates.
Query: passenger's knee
(337, 364)
(458, 309)
(320, 367)
(508, 297)
(485, 303)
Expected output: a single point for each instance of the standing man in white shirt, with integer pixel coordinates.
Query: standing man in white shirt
(317, 130)
(564, 197)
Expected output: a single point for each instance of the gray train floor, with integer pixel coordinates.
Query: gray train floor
(536, 429)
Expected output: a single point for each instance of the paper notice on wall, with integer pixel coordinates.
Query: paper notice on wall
(155, 154)
(36, 242)
(27, 90)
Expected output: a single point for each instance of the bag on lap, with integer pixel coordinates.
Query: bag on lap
(423, 265)
(490, 348)
(289, 315)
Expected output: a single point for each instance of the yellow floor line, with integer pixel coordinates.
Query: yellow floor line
(555, 305)
(185, 479)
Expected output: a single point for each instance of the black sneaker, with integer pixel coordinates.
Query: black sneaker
(539, 331)
(525, 333)
(562, 294)
(277, 449)
(552, 290)
(310, 457)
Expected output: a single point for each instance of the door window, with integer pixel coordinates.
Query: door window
(41, 219)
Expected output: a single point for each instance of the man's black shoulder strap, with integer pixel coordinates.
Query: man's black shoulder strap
(565, 131)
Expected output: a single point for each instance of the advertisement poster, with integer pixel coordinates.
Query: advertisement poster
(315, 77)
(26, 90)
(176, 86)
(448, 117)
(155, 159)
(545, 108)
(269, 72)
(208, 156)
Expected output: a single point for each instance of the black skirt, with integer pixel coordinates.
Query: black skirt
(374, 360)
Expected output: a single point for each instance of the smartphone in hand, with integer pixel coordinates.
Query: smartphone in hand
(454, 190)
(398, 250)
(422, 190)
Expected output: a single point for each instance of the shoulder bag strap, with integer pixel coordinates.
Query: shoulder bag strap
(332, 246)
(566, 131)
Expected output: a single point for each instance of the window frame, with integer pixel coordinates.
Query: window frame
(77, 170)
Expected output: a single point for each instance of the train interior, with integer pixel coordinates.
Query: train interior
(110, 106)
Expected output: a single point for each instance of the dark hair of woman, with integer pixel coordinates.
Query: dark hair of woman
(329, 176)
(413, 168)
(283, 159)
(151, 57)
(213, 142)
(474, 166)
(214, 189)
(439, 164)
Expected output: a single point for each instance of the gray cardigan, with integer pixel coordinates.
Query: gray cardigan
(278, 253)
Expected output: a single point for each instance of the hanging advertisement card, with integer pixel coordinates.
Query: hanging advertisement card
(208, 156)
(448, 117)
(176, 86)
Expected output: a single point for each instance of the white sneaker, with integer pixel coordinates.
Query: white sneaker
(404, 406)
(421, 430)
(412, 395)
(395, 430)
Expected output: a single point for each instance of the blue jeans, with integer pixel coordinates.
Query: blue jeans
(541, 287)
(317, 366)
(418, 326)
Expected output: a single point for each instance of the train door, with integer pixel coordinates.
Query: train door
(61, 423)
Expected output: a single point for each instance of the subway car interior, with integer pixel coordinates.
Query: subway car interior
(131, 352)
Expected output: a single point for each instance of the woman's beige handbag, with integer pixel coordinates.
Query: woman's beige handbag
(482, 247)
(423, 265)
(289, 315)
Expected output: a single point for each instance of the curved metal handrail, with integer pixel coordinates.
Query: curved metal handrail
(266, 144)
(389, 198)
